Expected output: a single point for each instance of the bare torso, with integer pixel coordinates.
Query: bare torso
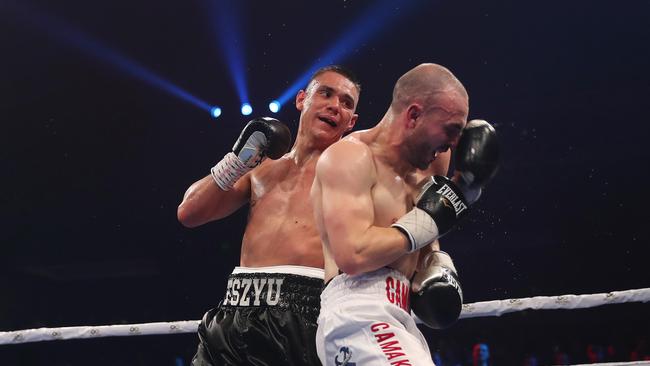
(392, 196)
(281, 229)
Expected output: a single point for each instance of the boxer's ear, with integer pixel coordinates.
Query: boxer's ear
(300, 99)
(353, 120)
(413, 112)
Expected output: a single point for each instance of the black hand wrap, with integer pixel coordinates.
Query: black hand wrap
(437, 298)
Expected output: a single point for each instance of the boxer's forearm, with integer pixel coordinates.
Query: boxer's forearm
(204, 201)
(368, 250)
(424, 252)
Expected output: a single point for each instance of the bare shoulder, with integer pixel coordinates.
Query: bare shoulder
(272, 169)
(347, 161)
(346, 153)
(356, 135)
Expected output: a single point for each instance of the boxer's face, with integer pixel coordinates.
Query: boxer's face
(327, 107)
(436, 128)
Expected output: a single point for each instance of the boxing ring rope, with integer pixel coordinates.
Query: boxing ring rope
(80, 332)
(472, 310)
(632, 363)
(499, 307)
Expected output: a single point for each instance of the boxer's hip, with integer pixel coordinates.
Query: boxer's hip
(362, 316)
(268, 314)
(278, 287)
(385, 287)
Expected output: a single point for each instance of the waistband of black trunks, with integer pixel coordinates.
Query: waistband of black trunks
(276, 286)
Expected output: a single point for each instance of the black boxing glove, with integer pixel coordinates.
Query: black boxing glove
(261, 137)
(436, 295)
(438, 207)
(476, 158)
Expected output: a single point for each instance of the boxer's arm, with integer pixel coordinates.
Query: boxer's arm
(228, 186)
(424, 252)
(205, 201)
(346, 175)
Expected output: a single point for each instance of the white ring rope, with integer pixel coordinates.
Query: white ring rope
(498, 307)
(473, 310)
(633, 363)
(118, 330)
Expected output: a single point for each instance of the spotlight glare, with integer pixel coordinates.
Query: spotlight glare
(215, 112)
(376, 20)
(274, 106)
(246, 109)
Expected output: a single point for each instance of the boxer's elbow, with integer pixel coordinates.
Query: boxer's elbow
(187, 216)
(352, 261)
(350, 265)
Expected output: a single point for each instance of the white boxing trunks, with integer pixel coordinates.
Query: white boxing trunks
(366, 320)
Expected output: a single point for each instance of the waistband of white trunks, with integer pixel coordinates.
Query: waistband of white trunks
(286, 269)
(370, 283)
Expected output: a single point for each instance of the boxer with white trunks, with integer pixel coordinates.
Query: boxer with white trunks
(379, 216)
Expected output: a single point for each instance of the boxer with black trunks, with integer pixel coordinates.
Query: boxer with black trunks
(269, 311)
(380, 216)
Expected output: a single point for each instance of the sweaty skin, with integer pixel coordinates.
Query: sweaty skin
(391, 197)
(367, 181)
(281, 228)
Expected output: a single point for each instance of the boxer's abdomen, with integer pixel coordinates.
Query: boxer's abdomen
(281, 227)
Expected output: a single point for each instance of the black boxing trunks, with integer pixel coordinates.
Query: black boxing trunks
(267, 317)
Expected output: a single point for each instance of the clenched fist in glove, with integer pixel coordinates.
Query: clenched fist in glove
(261, 137)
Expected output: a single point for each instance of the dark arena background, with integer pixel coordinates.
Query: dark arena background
(107, 112)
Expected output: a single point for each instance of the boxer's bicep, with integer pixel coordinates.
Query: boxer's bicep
(345, 173)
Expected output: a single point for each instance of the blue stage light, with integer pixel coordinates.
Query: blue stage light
(246, 109)
(215, 112)
(72, 36)
(226, 23)
(274, 106)
(374, 21)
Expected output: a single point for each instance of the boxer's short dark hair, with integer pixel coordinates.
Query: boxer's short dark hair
(342, 70)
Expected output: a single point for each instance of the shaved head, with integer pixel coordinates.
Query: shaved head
(422, 83)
